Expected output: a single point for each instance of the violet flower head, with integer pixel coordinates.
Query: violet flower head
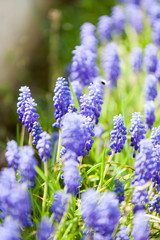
(84, 67)
(118, 19)
(137, 131)
(133, 10)
(44, 146)
(10, 229)
(156, 32)
(153, 11)
(45, 229)
(59, 205)
(140, 229)
(149, 113)
(155, 136)
(36, 131)
(150, 58)
(155, 204)
(150, 87)
(88, 36)
(77, 89)
(23, 96)
(27, 164)
(123, 233)
(156, 173)
(111, 63)
(104, 28)
(118, 134)
(157, 73)
(61, 99)
(99, 130)
(119, 190)
(136, 59)
(12, 154)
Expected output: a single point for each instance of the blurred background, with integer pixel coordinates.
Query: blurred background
(36, 42)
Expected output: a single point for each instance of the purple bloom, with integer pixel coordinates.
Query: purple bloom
(84, 67)
(88, 36)
(61, 99)
(150, 58)
(111, 63)
(137, 131)
(44, 146)
(27, 164)
(36, 131)
(150, 87)
(136, 22)
(118, 19)
(77, 89)
(104, 28)
(123, 233)
(59, 204)
(157, 73)
(136, 59)
(155, 136)
(149, 113)
(10, 229)
(99, 130)
(45, 229)
(119, 190)
(153, 11)
(140, 229)
(12, 154)
(155, 204)
(156, 173)
(156, 32)
(118, 134)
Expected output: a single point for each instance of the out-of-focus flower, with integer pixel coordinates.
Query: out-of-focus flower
(44, 146)
(140, 229)
(12, 154)
(150, 87)
(45, 229)
(150, 57)
(118, 19)
(149, 113)
(104, 28)
(136, 59)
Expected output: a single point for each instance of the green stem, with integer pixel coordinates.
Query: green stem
(45, 188)
(22, 135)
(30, 139)
(59, 146)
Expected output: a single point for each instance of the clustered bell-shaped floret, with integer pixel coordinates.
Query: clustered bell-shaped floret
(149, 113)
(118, 19)
(12, 154)
(155, 204)
(136, 59)
(36, 131)
(137, 131)
(10, 229)
(119, 190)
(155, 136)
(150, 88)
(140, 229)
(44, 146)
(23, 96)
(123, 233)
(61, 99)
(150, 58)
(104, 28)
(45, 229)
(118, 134)
(157, 73)
(156, 32)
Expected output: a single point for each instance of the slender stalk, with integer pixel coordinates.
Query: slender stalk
(30, 139)
(22, 135)
(45, 188)
(59, 146)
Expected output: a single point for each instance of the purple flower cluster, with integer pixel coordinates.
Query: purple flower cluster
(45, 229)
(12, 154)
(140, 229)
(150, 87)
(10, 229)
(44, 146)
(150, 58)
(119, 190)
(77, 89)
(136, 59)
(123, 233)
(137, 131)
(61, 99)
(157, 73)
(155, 136)
(118, 19)
(155, 204)
(104, 28)
(36, 131)
(118, 134)
(111, 63)
(149, 113)
(156, 32)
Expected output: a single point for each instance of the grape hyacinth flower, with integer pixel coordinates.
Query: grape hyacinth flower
(155, 136)
(111, 63)
(156, 32)
(119, 190)
(27, 164)
(118, 19)
(123, 233)
(61, 99)
(44, 146)
(150, 58)
(12, 154)
(155, 204)
(157, 73)
(137, 131)
(84, 67)
(104, 28)
(10, 229)
(99, 130)
(150, 87)
(136, 59)
(156, 174)
(149, 113)
(88, 36)
(133, 10)
(36, 131)
(153, 11)
(45, 229)
(59, 205)
(118, 134)
(140, 229)
(77, 89)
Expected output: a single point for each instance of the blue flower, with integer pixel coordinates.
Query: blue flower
(150, 58)
(157, 73)
(155, 136)
(44, 146)
(45, 229)
(118, 135)
(36, 131)
(150, 87)
(136, 60)
(123, 233)
(140, 229)
(111, 63)
(99, 130)
(153, 10)
(156, 32)
(27, 164)
(104, 28)
(59, 204)
(77, 89)
(118, 19)
(155, 204)
(119, 190)
(149, 113)
(84, 67)
(12, 154)
(61, 99)
(10, 229)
